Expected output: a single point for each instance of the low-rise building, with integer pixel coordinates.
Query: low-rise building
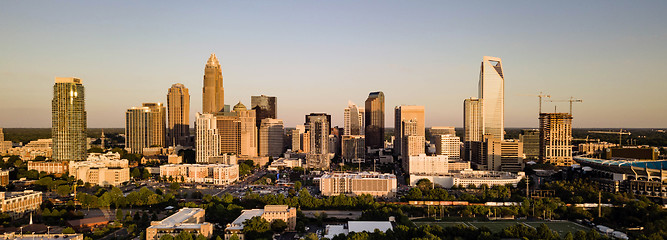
(284, 163)
(16, 204)
(433, 165)
(270, 213)
(186, 219)
(594, 147)
(101, 169)
(356, 226)
(37, 148)
(468, 177)
(219, 174)
(354, 184)
(51, 167)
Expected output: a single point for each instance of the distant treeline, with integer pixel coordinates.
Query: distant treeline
(640, 136)
(25, 135)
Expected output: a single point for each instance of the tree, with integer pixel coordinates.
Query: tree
(136, 174)
(145, 174)
(234, 237)
(68, 230)
(174, 186)
(278, 226)
(167, 237)
(256, 228)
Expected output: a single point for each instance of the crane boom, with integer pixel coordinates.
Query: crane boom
(620, 134)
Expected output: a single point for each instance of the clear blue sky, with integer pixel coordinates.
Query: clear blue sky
(316, 55)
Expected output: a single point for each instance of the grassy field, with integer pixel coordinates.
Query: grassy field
(496, 226)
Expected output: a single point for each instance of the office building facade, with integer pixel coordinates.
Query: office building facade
(374, 122)
(531, 143)
(448, 145)
(213, 91)
(178, 106)
(265, 107)
(353, 120)
(145, 127)
(271, 133)
(492, 92)
(409, 121)
(472, 120)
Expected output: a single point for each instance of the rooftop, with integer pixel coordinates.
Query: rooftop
(237, 224)
(179, 219)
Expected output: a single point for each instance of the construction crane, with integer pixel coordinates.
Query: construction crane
(620, 134)
(540, 96)
(571, 100)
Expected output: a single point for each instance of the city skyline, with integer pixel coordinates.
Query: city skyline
(440, 59)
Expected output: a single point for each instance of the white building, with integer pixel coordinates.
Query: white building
(492, 92)
(101, 169)
(356, 226)
(219, 174)
(469, 177)
(352, 125)
(208, 139)
(354, 184)
(16, 204)
(433, 165)
(284, 163)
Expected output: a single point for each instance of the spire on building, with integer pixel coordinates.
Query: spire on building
(213, 60)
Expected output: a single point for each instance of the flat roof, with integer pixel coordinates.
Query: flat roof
(177, 219)
(368, 226)
(237, 224)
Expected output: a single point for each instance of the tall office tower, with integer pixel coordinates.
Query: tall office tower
(492, 92)
(353, 120)
(556, 138)
(327, 116)
(494, 154)
(271, 134)
(472, 120)
(354, 148)
(145, 127)
(229, 129)
(318, 126)
(448, 145)
(214, 93)
(531, 143)
(442, 131)
(178, 105)
(208, 139)
(68, 120)
(374, 121)
(265, 107)
(297, 138)
(248, 134)
(404, 114)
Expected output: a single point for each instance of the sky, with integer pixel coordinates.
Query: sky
(315, 56)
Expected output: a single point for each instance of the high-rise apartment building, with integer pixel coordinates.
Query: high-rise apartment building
(265, 107)
(208, 140)
(492, 92)
(448, 145)
(68, 120)
(297, 138)
(178, 106)
(271, 134)
(374, 121)
(556, 138)
(248, 130)
(472, 120)
(318, 127)
(531, 143)
(214, 93)
(409, 121)
(354, 148)
(353, 120)
(145, 127)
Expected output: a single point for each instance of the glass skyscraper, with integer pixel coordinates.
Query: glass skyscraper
(68, 120)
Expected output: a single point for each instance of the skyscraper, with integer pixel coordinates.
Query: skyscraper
(68, 120)
(375, 120)
(271, 134)
(145, 127)
(353, 125)
(248, 130)
(208, 139)
(318, 155)
(492, 92)
(265, 107)
(472, 120)
(556, 138)
(403, 116)
(178, 105)
(214, 93)
(531, 143)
